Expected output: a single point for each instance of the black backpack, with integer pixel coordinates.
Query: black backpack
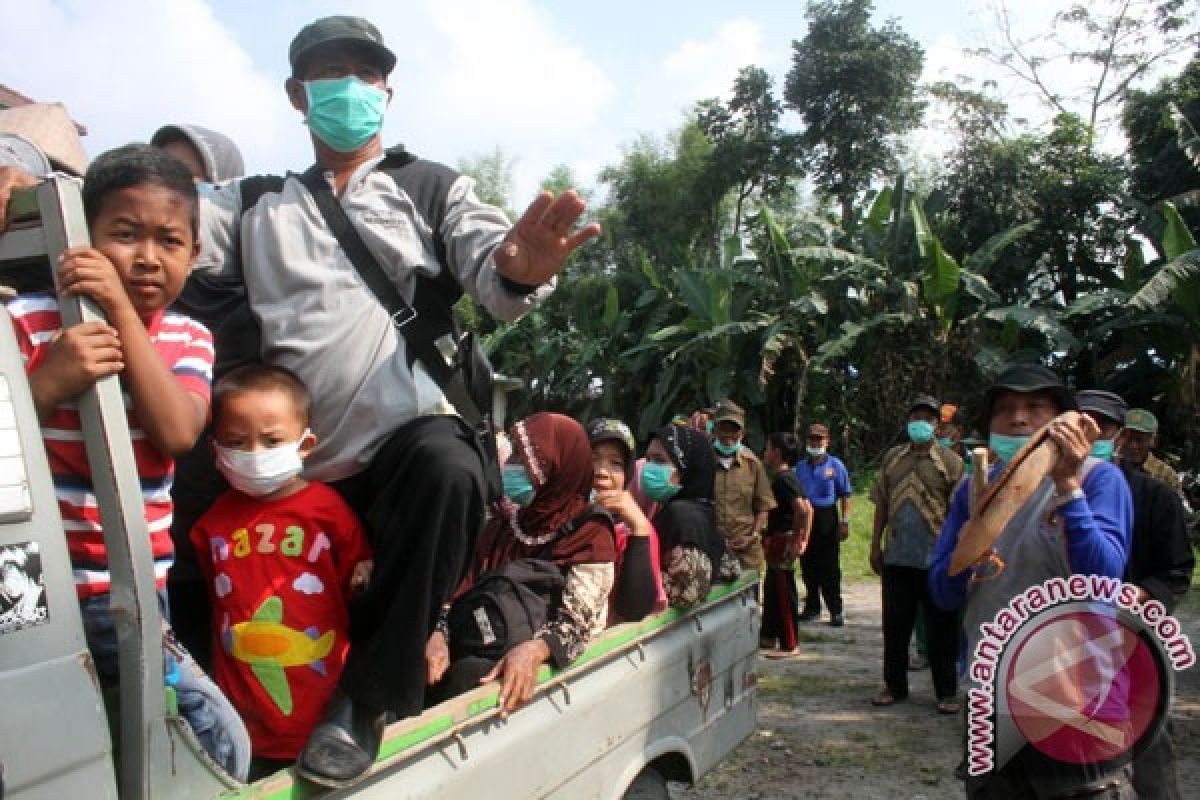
(510, 604)
(503, 608)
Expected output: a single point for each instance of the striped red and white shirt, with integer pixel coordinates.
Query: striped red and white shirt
(186, 347)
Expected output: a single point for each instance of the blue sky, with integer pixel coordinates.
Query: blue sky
(547, 82)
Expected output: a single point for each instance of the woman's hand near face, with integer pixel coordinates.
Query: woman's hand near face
(621, 504)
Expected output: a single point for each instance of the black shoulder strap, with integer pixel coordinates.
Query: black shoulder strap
(593, 511)
(427, 184)
(254, 187)
(432, 337)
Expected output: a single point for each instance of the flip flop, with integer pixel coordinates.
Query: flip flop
(777, 654)
(948, 705)
(885, 698)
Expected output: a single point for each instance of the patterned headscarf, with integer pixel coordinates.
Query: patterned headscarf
(692, 452)
(556, 452)
(688, 517)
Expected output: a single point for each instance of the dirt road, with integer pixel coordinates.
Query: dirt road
(819, 736)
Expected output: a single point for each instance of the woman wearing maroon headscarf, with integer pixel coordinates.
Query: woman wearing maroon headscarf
(547, 481)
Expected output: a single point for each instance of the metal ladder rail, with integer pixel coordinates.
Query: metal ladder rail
(118, 491)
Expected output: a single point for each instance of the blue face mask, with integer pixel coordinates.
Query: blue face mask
(946, 442)
(1103, 449)
(920, 431)
(1005, 447)
(517, 486)
(656, 482)
(727, 450)
(344, 113)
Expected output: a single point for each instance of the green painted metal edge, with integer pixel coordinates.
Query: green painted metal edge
(439, 725)
(409, 738)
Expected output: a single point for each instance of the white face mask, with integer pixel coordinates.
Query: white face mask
(260, 472)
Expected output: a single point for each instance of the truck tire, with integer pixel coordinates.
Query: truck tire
(648, 785)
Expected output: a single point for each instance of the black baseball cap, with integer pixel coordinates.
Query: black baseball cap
(1026, 378)
(925, 401)
(340, 29)
(1105, 404)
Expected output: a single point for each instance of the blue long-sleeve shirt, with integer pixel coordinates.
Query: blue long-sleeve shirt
(1099, 532)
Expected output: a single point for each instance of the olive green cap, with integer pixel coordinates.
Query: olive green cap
(1139, 419)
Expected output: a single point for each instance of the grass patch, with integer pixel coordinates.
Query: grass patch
(856, 551)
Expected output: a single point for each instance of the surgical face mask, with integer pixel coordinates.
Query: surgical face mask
(920, 431)
(517, 486)
(656, 482)
(1103, 449)
(344, 112)
(946, 441)
(727, 450)
(815, 452)
(1005, 447)
(260, 472)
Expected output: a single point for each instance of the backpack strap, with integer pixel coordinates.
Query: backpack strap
(592, 512)
(251, 189)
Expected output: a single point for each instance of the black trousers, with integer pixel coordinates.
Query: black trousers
(422, 500)
(820, 566)
(905, 590)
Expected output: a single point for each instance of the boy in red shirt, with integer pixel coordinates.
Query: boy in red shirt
(281, 556)
(141, 210)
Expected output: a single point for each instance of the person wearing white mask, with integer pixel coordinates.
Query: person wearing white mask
(827, 485)
(276, 549)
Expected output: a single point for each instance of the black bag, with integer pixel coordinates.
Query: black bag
(503, 608)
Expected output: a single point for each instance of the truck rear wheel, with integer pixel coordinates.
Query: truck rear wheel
(648, 785)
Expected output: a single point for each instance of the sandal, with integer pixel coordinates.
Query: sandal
(775, 654)
(948, 705)
(885, 698)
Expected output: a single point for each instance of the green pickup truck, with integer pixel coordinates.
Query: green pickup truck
(663, 699)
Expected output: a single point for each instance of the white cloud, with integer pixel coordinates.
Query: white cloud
(473, 75)
(701, 68)
(124, 69)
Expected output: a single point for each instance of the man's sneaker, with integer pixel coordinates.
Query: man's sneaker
(837, 621)
(808, 616)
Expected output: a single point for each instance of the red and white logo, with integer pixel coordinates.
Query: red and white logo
(1085, 687)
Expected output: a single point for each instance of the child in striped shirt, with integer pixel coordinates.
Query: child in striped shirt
(141, 210)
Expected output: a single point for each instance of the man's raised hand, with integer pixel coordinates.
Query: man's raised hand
(540, 243)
